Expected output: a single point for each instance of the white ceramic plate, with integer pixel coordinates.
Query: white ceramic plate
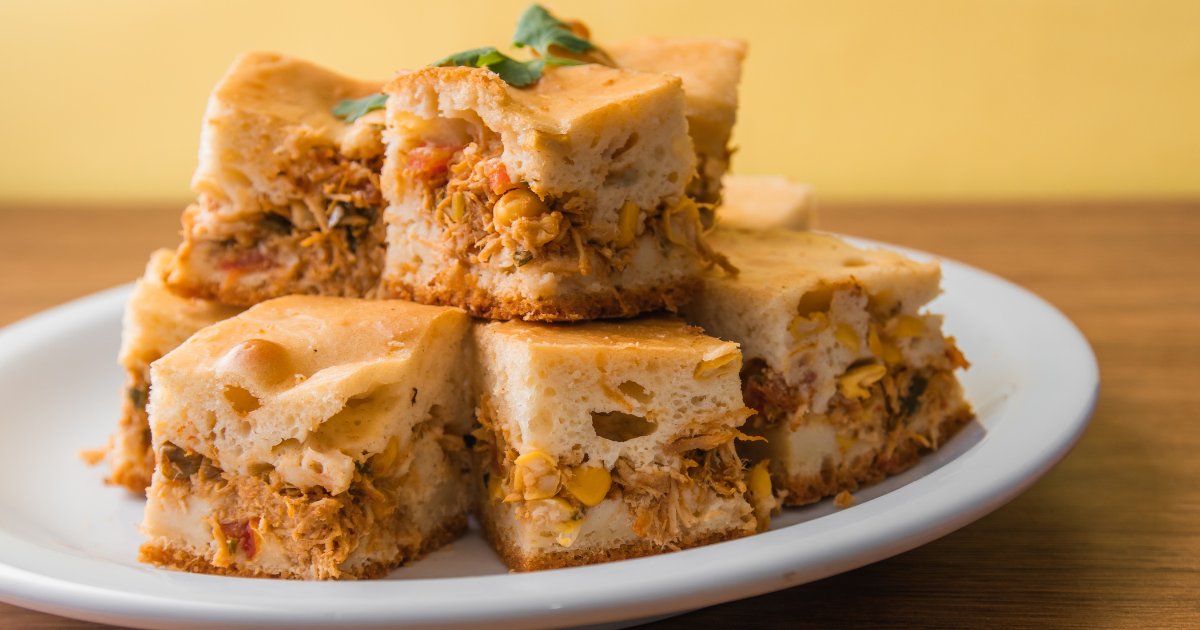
(68, 543)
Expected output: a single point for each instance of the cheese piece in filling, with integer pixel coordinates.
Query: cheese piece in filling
(289, 193)
(564, 200)
(851, 380)
(310, 438)
(604, 441)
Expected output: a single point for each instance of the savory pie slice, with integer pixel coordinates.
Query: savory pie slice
(850, 379)
(559, 201)
(290, 198)
(763, 202)
(710, 68)
(603, 441)
(310, 438)
(156, 321)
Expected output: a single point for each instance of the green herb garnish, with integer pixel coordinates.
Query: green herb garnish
(511, 71)
(522, 257)
(537, 29)
(351, 110)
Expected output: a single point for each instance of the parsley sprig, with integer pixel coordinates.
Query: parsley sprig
(351, 110)
(538, 29)
(511, 71)
(515, 73)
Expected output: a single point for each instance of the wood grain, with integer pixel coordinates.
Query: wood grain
(1109, 539)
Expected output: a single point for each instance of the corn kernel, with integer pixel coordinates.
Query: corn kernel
(381, 463)
(882, 349)
(560, 514)
(760, 480)
(517, 203)
(845, 442)
(686, 208)
(848, 336)
(537, 474)
(891, 354)
(495, 488)
(538, 461)
(710, 367)
(558, 510)
(854, 383)
(458, 207)
(627, 221)
(567, 535)
(909, 327)
(566, 531)
(874, 344)
(802, 326)
(590, 484)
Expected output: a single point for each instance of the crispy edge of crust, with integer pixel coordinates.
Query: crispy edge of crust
(235, 294)
(869, 471)
(480, 302)
(521, 562)
(180, 560)
(131, 469)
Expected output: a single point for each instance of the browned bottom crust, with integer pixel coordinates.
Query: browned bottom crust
(132, 456)
(185, 561)
(518, 561)
(479, 302)
(866, 471)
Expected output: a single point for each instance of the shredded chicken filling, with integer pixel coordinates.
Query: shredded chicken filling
(775, 401)
(884, 416)
(314, 527)
(329, 232)
(485, 215)
(665, 499)
(132, 453)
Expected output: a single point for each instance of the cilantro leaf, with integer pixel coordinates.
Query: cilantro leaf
(351, 110)
(511, 71)
(537, 29)
(469, 58)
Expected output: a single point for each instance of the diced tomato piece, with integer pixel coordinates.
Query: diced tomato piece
(498, 178)
(243, 533)
(232, 530)
(430, 160)
(249, 546)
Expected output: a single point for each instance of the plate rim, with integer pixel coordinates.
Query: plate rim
(760, 563)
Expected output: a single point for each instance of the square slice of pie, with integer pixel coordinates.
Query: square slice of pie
(563, 200)
(156, 321)
(289, 191)
(852, 380)
(710, 68)
(603, 441)
(310, 438)
(763, 202)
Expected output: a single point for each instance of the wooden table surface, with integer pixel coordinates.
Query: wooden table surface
(1108, 539)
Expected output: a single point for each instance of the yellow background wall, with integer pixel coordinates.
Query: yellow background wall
(870, 99)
